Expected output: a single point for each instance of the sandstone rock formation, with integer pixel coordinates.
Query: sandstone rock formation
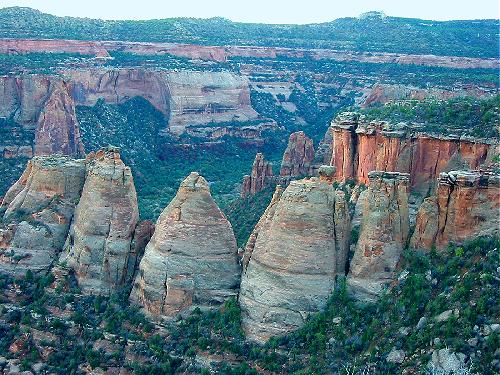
(297, 249)
(99, 246)
(360, 147)
(261, 176)
(298, 156)
(38, 211)
(384, 232)
(466, 205)
(57, 130)
(191, 259)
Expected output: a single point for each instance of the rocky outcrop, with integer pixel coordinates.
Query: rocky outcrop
(57, 130)
(465, 206)
(298, 156)
(38, 211)
(292, 258)
(360, 147)
(383, 235)
(99, 245)
(191, 260)
(261, 177)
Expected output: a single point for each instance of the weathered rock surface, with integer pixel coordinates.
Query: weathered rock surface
(466, 205)
(99, 246)
(296, 251)
(38, 211)
(191, 259)
(261, 176)
(383, 235)
(298, 156)
(57, 130)
(360, 147)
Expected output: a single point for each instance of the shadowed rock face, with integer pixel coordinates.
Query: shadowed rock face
(261, 176)
(466, 205)
(99, 246)
(191, 259)
(38, 211)
(298, 156)
(298, 247)
(383, 235)
(360, 147)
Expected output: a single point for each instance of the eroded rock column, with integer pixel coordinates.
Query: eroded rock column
(299, 247)
(191, 260)
(383, 235)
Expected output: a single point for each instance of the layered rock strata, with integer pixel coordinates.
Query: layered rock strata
(99, 245)
(298, 156)
(466, 205)
(38, 210)
(297, 249)
(360, 147)
(261, 177)
(191, 260)
(383, 235)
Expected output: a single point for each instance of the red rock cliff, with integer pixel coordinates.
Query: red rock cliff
(466, 205)
(360, 147)
(298, 156)
(261, 176)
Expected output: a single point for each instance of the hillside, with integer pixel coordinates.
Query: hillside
(376, 33)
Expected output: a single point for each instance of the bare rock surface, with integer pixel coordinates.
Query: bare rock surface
(298, 248)
(298, 156)
(191, 260)
(260, 178)
(99, 245)
(466, 205)
(37, 213)
(383, 235)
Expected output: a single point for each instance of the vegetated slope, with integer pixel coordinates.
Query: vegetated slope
(244, 213)
(159, 163)
(52, 323)
(373, 33)
(476, 117)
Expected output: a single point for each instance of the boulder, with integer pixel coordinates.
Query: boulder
(38, 212)
(383, 235)
(99, 244)
(297, 249)
(191, 260)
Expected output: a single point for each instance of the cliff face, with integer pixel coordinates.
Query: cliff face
(465, 206)
(191, 259)
(360, 147)
(298, 156)
(38, 211)
(383, 235)
(261, 176)
(292, 258)
(99, 247)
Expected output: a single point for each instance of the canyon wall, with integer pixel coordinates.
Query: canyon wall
(291, 261)
(223, 53)
(383, 235)
(466, 205)
(360, 147)
(191, 102)
(191, 260)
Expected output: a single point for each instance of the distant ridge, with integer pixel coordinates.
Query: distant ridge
(371, 32)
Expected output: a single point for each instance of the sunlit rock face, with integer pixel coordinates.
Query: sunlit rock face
(298, 248)
(466, 205)
(191, 260)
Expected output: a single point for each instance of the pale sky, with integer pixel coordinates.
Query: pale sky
(267, 11)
